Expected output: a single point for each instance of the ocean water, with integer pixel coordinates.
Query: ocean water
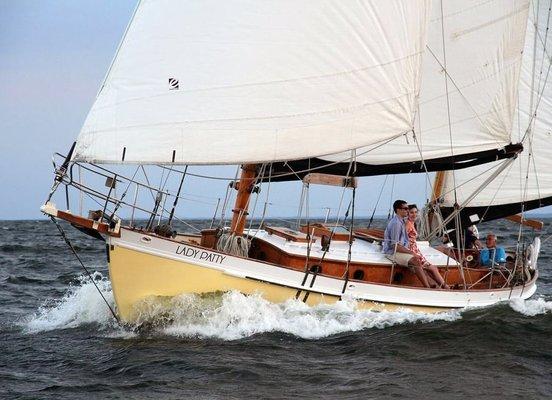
(59, 341)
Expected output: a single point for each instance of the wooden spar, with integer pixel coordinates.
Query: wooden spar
(331, 180)
(244, 187)
(533, 223)
(438, 185)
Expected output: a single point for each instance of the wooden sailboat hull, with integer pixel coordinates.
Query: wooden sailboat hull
(144, 267)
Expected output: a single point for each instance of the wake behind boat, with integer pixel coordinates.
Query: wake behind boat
(291, 92)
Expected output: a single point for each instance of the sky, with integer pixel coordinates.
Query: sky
(53, 58)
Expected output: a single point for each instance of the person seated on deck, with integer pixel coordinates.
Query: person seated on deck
(395, 242)
(471, 238)
(412, 234)
(492, 255)
(446, 247)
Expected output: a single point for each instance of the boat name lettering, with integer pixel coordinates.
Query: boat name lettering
(200, 254)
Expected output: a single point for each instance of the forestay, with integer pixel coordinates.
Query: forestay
(529, 179)
(206, 82)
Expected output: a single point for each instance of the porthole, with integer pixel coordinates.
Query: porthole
(358, 275)
(398, 277)
(316, 269)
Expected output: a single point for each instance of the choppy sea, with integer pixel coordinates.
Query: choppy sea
(59, 341)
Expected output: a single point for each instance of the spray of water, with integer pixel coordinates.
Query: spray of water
(80, 305)
(231, 315)
(531, 307)
(226, 316)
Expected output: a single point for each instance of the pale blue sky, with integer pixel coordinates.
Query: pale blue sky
(53, 57)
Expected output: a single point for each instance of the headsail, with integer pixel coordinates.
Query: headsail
(483, 44)
(238, 82)
(527, 183)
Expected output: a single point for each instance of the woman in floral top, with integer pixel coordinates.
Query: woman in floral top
(412, 235)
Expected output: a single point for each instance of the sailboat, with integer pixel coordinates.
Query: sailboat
(321, 93)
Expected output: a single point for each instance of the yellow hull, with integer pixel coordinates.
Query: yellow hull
(136, 276)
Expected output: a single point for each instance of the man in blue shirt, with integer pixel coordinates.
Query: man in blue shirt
(395, 243)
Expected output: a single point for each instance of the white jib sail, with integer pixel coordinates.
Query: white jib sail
(483, 43)
(206, 82)
(530, 176)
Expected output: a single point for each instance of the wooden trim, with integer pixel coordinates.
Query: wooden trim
(88, 223)
(373, 273)
(319, 229)
(533, 223)
(288, 234)
(331, 180)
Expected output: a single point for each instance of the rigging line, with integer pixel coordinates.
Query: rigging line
(173, 209)
(548, 56)
(534, 62)
(169, 174)
(544, 44)
(530, 131)
(531, 137)
(92, 194)
(66, 239)
(80, 193)
(448, 96)
(227, 197)
(496, 192)
(183, 221)
(148, 182)
(118, 204)
(266, 203)
(332, 231)
(167, 192)
(474, 178)
(540, 96)
(347, 159)
(503, 166)
(351, 232)
(341, 199)
(292, 171)
(301, 201)
(535, 171)
(391, 197)
(377, 202)
(481, 121)
(97, 167)
(546, 240)
(418, 145)
(161, 180)
(524, 197)
(261, 173)
(93, 198)
(104, 80)
(243, 212)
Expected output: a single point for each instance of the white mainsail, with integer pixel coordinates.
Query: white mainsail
(529, 177)
(207, 82)
(483, 44)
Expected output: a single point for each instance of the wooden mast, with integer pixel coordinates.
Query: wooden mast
(244, 187)
(438, 185)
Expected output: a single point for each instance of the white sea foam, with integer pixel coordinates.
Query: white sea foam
(80, 305)
(236, 316)
(531, 307)
(228, 316)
